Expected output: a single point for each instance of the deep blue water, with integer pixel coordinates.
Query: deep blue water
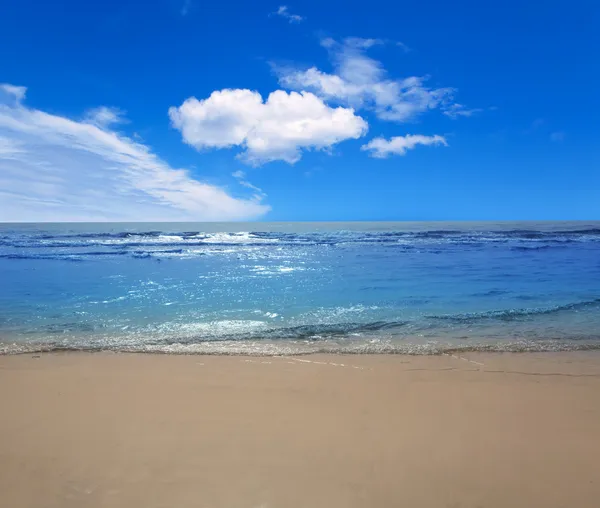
(281, 288)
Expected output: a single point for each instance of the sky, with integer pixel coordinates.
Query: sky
(189, 110)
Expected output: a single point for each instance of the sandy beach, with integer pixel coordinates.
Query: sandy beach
(464, 430)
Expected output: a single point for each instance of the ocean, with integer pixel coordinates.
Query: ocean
(297, 288)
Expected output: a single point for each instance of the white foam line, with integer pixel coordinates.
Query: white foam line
(302, 360)
(476, 363)
(471, 361)
(296, 361)
(463, 358)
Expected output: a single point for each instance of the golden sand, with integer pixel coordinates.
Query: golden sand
(470, 430)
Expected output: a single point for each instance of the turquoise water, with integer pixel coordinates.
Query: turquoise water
(291, 288)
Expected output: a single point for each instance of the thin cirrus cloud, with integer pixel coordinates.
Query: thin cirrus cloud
(361, 82)
(240, 176)
(382, 148)
(278, 128)
(284, 12)
(53, 168)
(185, 8)
(104, 116)
(457, 110)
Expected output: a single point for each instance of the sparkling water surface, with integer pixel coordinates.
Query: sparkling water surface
(291, 288)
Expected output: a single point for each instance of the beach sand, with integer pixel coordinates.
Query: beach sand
(470, 430)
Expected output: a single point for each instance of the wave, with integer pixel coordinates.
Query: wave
(514, 314)
(491, 292)
(320, 331)
(62, 256)
(528, 248)
(156, 253)
(241, 331)
(315, 237)
(87, 255)
(290, 348)
(154, 244)
(417, 336)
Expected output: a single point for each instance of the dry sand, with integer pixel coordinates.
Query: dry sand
(118, 430)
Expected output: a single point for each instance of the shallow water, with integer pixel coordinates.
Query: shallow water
(285, 288)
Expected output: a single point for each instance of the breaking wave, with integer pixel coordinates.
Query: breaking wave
(282, 348)
(515, 314)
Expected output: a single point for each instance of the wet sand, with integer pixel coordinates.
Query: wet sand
(470, 430)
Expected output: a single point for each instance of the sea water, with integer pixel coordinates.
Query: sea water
(294, 288)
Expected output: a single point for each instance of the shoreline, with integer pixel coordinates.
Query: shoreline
(246, 349)
(332, 431)
(485, 361)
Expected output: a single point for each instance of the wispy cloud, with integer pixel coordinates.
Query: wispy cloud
(382, 148)
(11, 94)
(536, 125)
(284, 12)
(104, 116)
(240, 176)
(403, 47)
(455, 111)
(185, 8)
(278, 128)
(53, 168)
(360, 81)
(312, 171)
(540, 127)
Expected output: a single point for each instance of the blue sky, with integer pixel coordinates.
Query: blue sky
(190, 110)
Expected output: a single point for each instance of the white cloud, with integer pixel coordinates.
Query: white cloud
(398, 145)
(11, 93)
(557, 136)
(457, 110)
(53, 168)
(361, 82)
(284, 12)
(104, 116)
(277, 129)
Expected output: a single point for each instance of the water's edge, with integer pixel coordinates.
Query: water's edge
(200, 349)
